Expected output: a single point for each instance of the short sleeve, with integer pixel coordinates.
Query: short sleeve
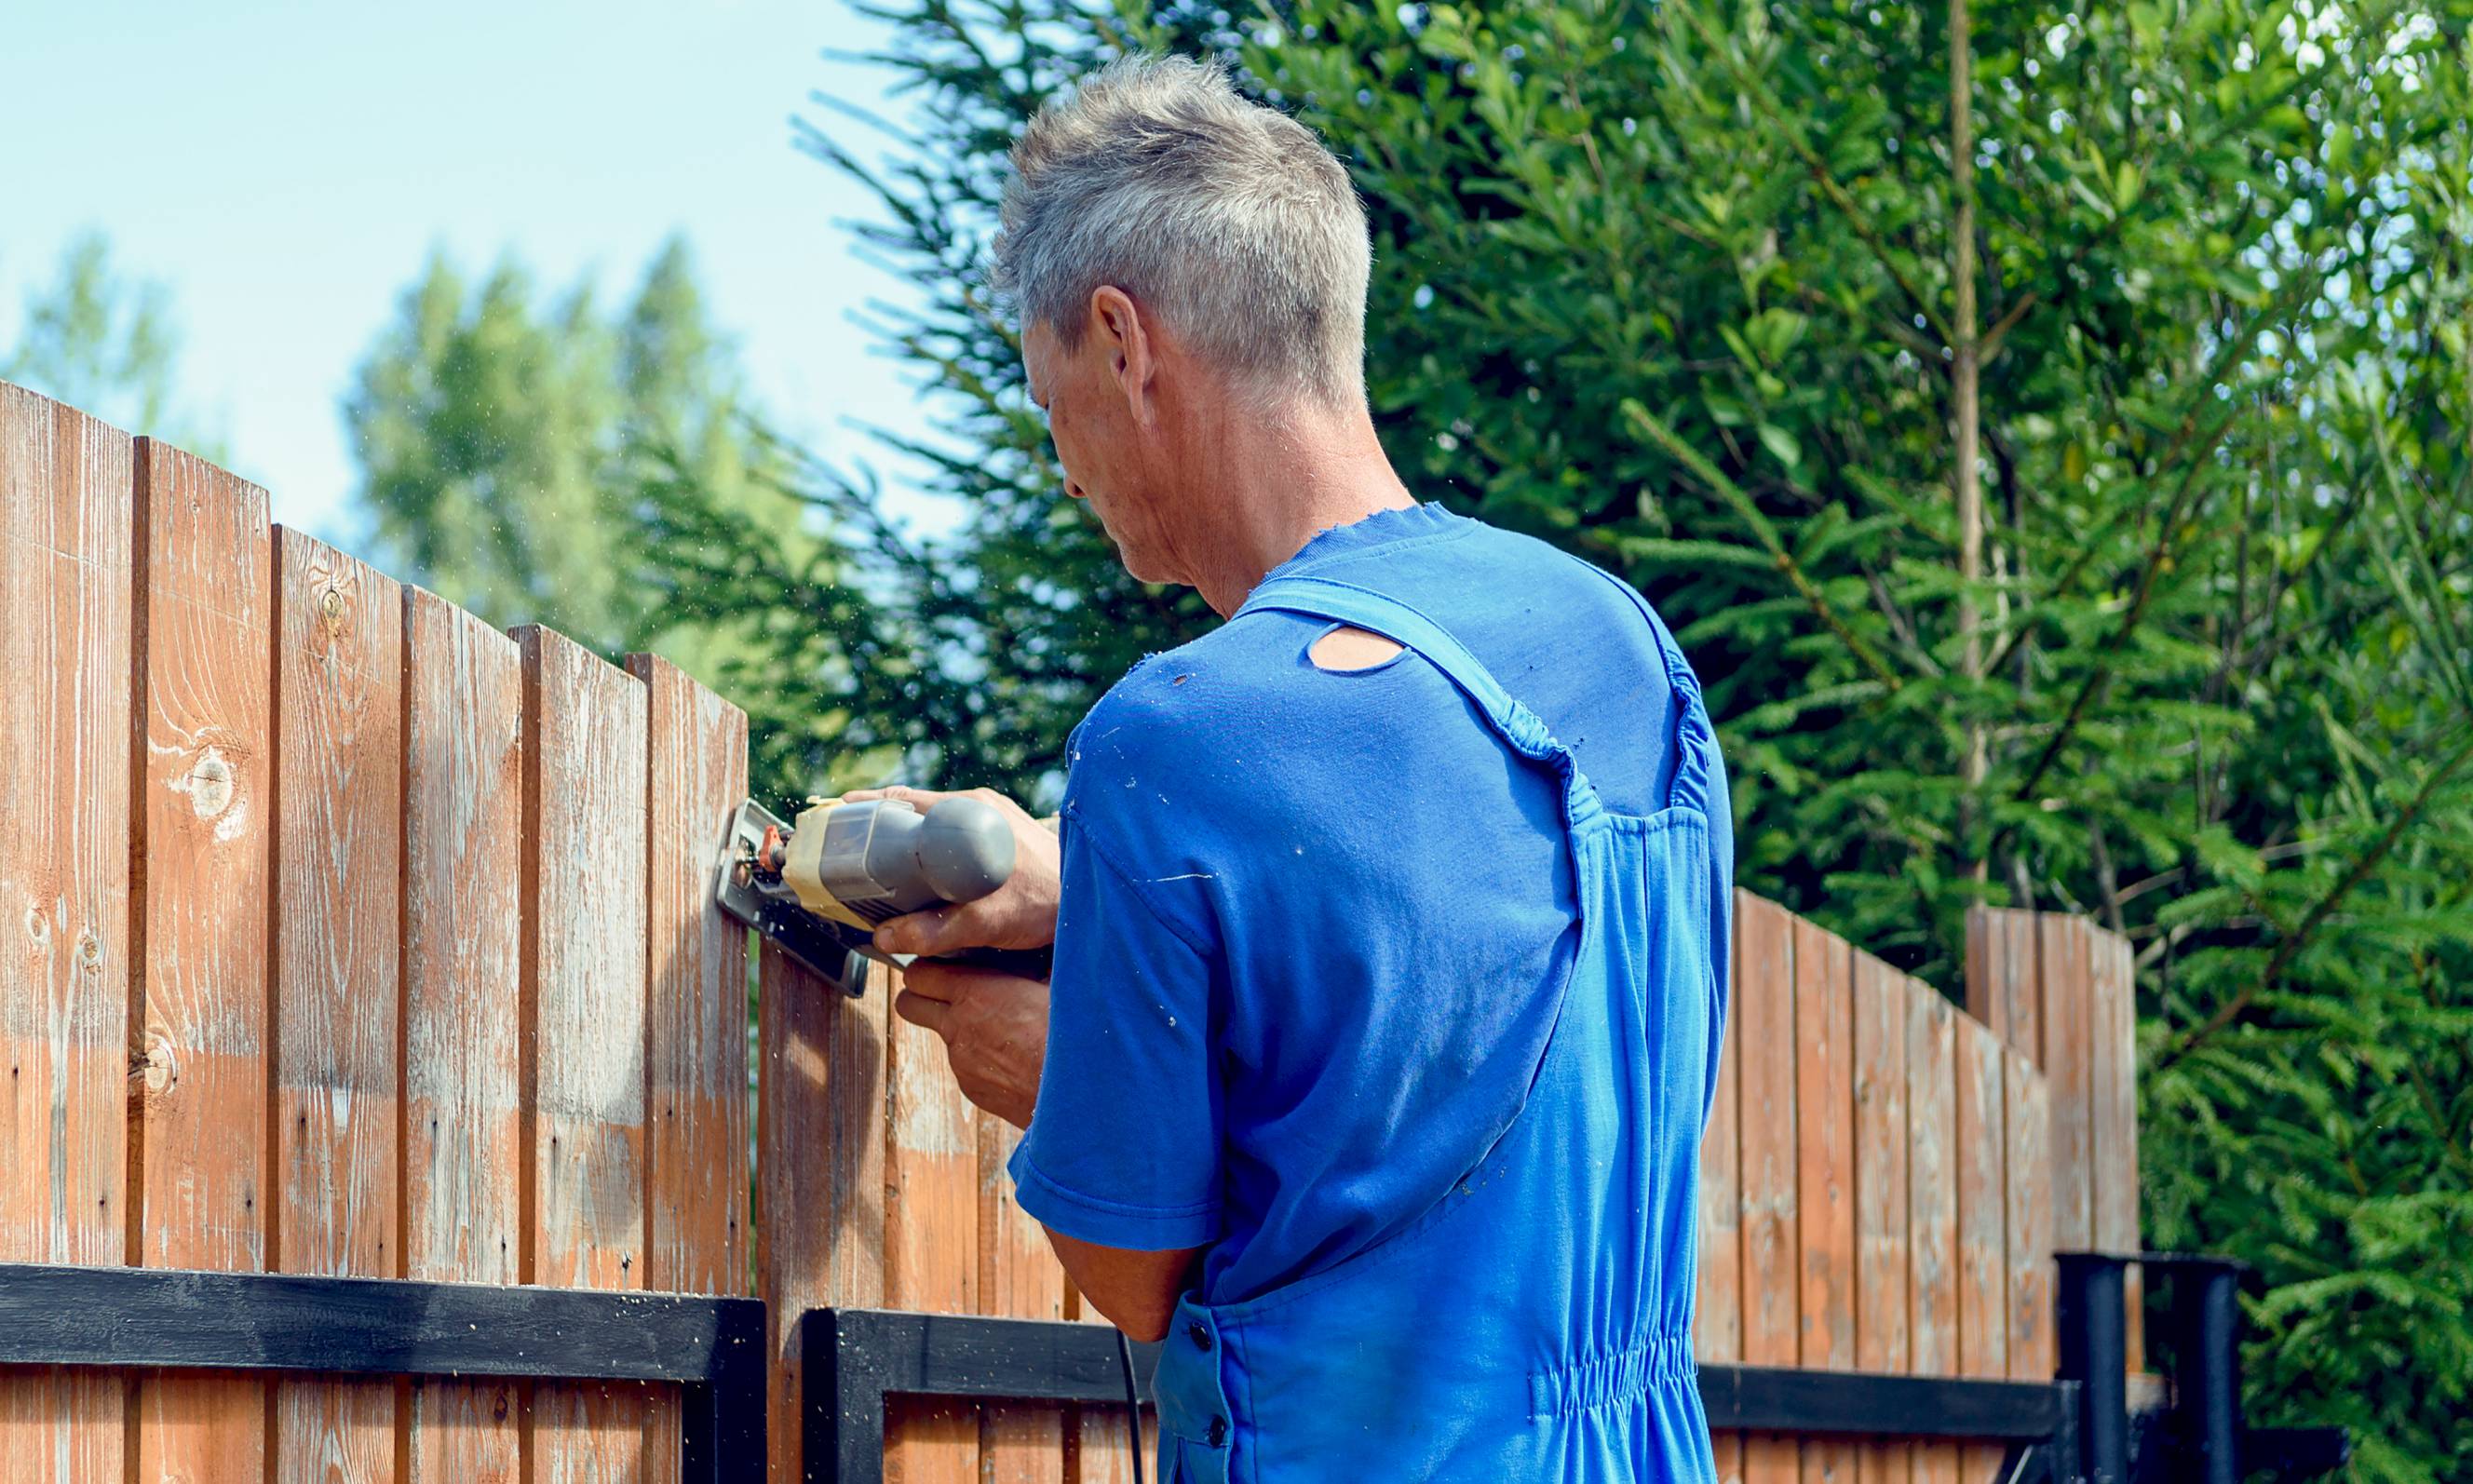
(1123, 1148)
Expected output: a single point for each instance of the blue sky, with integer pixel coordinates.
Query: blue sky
(284, 169)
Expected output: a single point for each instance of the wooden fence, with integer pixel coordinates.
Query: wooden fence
(360, 939)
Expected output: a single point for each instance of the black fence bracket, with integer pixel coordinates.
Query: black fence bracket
(711, 1348)
(2202, 1438)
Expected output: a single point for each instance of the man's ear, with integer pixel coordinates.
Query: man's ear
(1126, 339)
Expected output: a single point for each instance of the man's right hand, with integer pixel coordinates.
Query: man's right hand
(1020, 914)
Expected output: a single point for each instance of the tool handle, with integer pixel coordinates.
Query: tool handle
(1023, 963)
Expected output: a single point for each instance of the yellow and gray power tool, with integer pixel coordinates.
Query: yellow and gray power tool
(820, 887)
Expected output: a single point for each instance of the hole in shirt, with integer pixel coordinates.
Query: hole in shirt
(1344, 651)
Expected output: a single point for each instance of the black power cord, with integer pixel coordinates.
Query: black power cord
(1133, 1402)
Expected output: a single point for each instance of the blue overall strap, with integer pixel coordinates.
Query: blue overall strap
(1379, 612)
(1694, 739)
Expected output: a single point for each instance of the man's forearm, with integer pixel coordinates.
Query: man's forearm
(1136, 1291)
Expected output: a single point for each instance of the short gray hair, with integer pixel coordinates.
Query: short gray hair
(1228, 218)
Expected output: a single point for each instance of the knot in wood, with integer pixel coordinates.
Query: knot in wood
(333, 606)
(210, 785)
(163, 1064)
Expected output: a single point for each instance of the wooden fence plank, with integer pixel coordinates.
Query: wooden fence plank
(2004, 987)
(1882, 1139)
(1932, 1205)
(1019, 1277)
(464, 1151)
(338, 805)
(2068, 1072)
(584, 862)
(695, 1009)
(1824, 1091)
(1718, 1306)
(66, 553)
(2113, 1134)
(1982, 1220)
(820, 1210)
(200, 1145)
(932, 1230)
(1764, 1032)
(2027, 1176)
(697, 1004)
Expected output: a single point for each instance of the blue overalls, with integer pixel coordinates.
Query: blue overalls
(1535, 1324)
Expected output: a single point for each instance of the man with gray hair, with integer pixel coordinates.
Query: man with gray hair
(1390, 917)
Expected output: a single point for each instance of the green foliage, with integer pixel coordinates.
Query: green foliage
(1678, 287)
(552, 463)
(105, 345)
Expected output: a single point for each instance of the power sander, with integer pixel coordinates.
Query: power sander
(820, 887)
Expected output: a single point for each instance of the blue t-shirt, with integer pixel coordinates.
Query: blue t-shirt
(1311, 921)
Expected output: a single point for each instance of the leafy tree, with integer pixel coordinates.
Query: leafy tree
(105, 343)
(2047, 428)
(546, 461)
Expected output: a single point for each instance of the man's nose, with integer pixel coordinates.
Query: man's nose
(1073, 488)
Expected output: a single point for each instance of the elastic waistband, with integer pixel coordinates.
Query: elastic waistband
(1612, 1379)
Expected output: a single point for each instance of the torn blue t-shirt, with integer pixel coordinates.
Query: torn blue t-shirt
(1312, 921)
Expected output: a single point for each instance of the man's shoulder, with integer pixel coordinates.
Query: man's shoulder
(1178, 703)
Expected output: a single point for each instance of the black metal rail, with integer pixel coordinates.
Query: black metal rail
(856, 1358)
(712, 1348)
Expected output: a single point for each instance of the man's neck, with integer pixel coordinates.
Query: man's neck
(1275, 487)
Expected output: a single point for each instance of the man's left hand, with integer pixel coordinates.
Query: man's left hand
(995, 1028)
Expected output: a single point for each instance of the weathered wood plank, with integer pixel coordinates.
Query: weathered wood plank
(696, 1070)
(2027, 1180)
(932, 1230)
(1718, 1306)
(1824, 1091)
(66, 585)
(1932, 1205)
(2004, 989)
(205, 813)
(695, 1064)
(819, 1220)
(584, 977)
(1983, 1219)
(463, 1150)
(1765, 1030)
(2068, 1072)
(1882, 1140)
(2113, 1131)
(338, 887)
(1020, 1278)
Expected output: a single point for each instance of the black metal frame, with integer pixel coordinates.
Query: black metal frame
(857, 1357)
(2202, 1438)
(712, 1348)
